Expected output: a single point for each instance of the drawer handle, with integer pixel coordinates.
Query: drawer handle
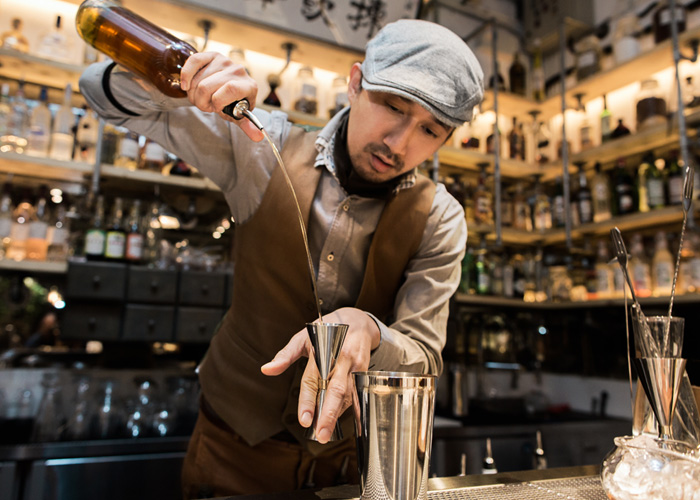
(96, 282)
(92, 323)
(205, 289)
(202, 328)
(151, 325)
(154, 285)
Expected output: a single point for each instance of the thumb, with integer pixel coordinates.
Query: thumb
(295, 349)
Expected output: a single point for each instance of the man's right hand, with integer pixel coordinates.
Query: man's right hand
(212, 81)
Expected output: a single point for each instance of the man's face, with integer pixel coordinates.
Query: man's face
(389, 135)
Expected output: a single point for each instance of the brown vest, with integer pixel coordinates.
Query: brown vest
(273, 300)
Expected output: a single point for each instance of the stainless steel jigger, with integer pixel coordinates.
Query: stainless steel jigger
(327, 340)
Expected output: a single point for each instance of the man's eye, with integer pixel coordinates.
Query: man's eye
(430, 132)
(393, 108)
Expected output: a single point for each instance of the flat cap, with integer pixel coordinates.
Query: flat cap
(426, 63)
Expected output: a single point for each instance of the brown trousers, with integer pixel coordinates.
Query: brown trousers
(220, 463)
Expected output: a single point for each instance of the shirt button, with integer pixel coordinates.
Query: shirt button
(330, 257)
(320, 302)
(346, 207)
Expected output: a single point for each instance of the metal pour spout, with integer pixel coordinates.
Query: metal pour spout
(241, 109)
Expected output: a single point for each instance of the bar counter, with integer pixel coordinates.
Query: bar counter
(574, 483)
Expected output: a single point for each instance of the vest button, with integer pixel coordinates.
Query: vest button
(346, 207)
(330, 257)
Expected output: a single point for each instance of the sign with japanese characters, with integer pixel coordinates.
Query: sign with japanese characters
(348, 23)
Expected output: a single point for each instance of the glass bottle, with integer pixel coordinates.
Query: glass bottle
(675, 179)
(651, 106)
(624, 188)
(605, 122)
(115, 237)
(662, 267)
(558, 205)
(600, 191)
(58, 236)
(153, 230)
(542, 213)
(640, 272)
(5, 218)
(62, 138)
(656, 184)
(22, 216)
(521, 209)
(662, 21)
(517, 76)
(17, 125)
(95, 236)
(306, 101)
(50, 418)
(620, 131)
(584, 200)
(39, 131)
(272, 98)
(537, 73)
(135, 43)
(14, 39)
(111, 136)
(603, 272)
(516, 141)
(457, 188)
(86, 137)
(626, 43)
(481, 266)
(54, 44)
(37, 244)
(152, 156)
(642, 190)
(483, 202)
(128, 151)
(587, 57)
(134, 237)
(5, 111)
(339, 93)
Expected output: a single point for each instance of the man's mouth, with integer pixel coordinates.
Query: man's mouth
(380, 164)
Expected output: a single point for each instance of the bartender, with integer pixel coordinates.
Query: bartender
(386, 244)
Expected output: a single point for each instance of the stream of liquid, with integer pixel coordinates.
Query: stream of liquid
(312, 274)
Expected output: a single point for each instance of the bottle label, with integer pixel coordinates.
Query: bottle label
(115, 245)
(641, 278)
(134, 246)
(5, 227)
(602, 276)
(308, 90)
(675, 190)
(61, 147)
(37, 230)
(129, 148)
(585, 211)
(655, 192)
(95, 242)
(154, 152)
(19, 232)
(57, 236)
(663, 272)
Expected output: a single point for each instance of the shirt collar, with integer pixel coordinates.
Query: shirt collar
(325, 145)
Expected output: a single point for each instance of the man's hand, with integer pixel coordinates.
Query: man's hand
(212, 81)
(363, 336)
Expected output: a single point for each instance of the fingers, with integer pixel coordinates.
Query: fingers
(308, 393)
(337, 398)
(297, 347)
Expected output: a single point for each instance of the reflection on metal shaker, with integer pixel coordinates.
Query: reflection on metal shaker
(394, 426)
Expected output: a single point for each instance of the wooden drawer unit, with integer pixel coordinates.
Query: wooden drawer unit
(196, 324)
(92, 321)
(201, 288)
(96, 281)
(149, 323)
(155, 286)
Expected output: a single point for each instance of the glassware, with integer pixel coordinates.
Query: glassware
(306, 101)
(643, 468)
(78, 427)
(625, 41)
(50, 420)
(54, 44)
(62, 138)
(39, 127)
(86, 137)
(108, 415)
(340, 95)
(14, 39)
(651, 106)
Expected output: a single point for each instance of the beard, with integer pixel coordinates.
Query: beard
(382, 151)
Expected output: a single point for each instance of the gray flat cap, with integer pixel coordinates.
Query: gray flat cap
(427, 63)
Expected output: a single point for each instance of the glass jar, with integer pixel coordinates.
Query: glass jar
(626, 44)
(340, 95)
(587, 57)
(651, 106)
(643, 467)
(306, 101)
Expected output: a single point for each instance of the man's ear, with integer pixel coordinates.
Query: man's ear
(355, 82)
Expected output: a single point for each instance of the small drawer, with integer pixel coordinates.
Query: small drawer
(155, 286)
(149, 323)
(201, 288)
(96, 280)
(196, 324)
(91, 322)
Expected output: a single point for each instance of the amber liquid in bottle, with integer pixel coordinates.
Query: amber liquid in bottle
(135, 43)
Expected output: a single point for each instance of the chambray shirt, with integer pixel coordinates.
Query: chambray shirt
(340, 225)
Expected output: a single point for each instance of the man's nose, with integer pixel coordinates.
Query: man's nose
(398, 140)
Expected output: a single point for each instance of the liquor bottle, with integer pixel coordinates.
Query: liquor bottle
(306, 100)
(14, 39)
(111, 136)
(662, 267)
(5, 218)
(537, 73)
(37, 245)
(558, 206)
(604, 278)
(58, 236)
(639, 269)
(542, 213)
(516, 141)
(600, 190)
(86, 137)
(620, 131)
(642, 189)
(95, 236)
(17, 124)
(517, 76)
(605, 122)
(491, 142)
(153, 230)
(115, 237)
(656, 192)
(5, 111)
(481, 268)
(690, 263)
(39, 131)
(134, 237)
(272, 98)
(54, 44)
(483, 199)
(21, 217)
(584, 199)
(135, 43)
(500, 80)
(456, 188)
(674, 177)
(624, 189)
(128, 151)
(152, 157)
(62, 138)
(585, 129)
(522, 218)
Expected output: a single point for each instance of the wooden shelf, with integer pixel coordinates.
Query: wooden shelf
(34, 266)
(26, 67)
(504, 302)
